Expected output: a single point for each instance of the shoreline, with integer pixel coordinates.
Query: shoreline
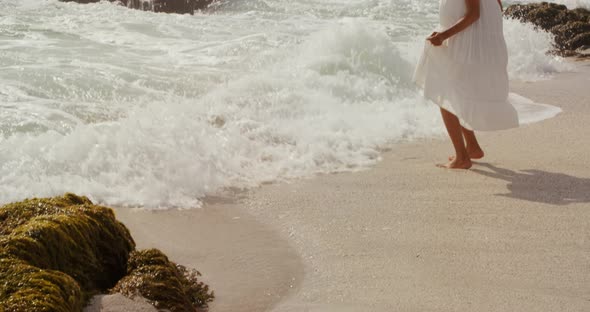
(509, 235)
(244, 261)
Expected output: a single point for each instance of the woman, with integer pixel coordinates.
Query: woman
(463, 70)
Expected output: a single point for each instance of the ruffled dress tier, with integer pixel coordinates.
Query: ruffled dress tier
(467, 75)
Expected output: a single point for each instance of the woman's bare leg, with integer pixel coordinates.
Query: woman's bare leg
(473, 149)
(461, 160)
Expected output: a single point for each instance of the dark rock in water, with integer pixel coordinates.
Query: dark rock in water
(164, 6)
(179, 6)
(581, 41)
(83, 1)
(571, 36)
(55, 253)
(163, 283)
(571, 28)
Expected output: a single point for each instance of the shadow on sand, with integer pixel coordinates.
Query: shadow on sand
(540, 186)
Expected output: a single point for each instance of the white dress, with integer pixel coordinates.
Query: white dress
(467, 75)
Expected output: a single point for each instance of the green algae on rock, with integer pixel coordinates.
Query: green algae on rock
(55, 253)
(65, 242)
(67, 234)
(163, 283)
(571, 28)
(26, 288)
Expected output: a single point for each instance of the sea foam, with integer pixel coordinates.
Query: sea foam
(134, 108)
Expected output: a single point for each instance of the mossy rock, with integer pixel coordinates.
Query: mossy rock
(570, 28)
(581, 14)
(163, 283)
(571, 35)
(55, 253)
(64, 242)
(548, 16)
(544, 15)
(26, 288)
(581, 41)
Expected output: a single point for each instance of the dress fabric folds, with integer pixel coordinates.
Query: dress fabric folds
(467, 75)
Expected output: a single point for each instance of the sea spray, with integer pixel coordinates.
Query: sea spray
(141, 109)
(529, 54)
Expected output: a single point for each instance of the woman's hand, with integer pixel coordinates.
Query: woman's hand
(436, 39)
(472, 15)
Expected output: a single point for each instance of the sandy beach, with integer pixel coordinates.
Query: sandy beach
(512, 234)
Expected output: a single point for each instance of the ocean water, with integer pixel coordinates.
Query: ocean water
(140, 109)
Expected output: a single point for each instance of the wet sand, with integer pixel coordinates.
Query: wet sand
(512, 234)
(246, 263)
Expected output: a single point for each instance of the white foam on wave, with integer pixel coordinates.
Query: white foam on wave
(328, 106)
(529, 52)
(154, 110)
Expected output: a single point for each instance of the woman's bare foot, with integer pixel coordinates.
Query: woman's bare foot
(474, 153)
(457, 164)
